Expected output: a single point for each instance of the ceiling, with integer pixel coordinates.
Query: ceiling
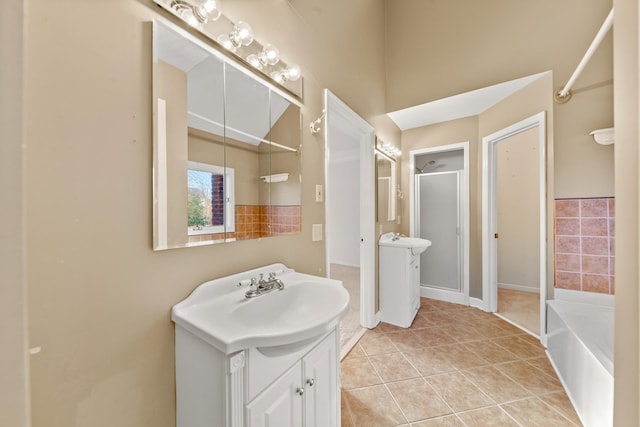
(458, 106)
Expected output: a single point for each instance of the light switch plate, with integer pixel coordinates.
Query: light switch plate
(316, 232)
(319, 193)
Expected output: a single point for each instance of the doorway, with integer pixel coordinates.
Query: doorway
(350, 210)
(514, 224)
(439, 209)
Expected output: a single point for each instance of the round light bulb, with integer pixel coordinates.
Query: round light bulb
(190, 18)
(292, 73)
(244, 33)
(271, 54)
(226, 42)
(254, 61)
(277, 76)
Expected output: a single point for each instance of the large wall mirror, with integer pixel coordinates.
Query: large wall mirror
(226, 147)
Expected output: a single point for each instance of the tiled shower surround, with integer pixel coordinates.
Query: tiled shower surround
(584, 239)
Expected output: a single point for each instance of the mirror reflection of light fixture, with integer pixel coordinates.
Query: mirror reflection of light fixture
(388, 149)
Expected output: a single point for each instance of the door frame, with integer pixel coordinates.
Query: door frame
(490, 217)
(464, 218)
(337, 113)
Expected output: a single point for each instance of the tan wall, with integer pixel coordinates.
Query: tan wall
(99, 296)
(627, 98)
(470, 45)
(14, 371)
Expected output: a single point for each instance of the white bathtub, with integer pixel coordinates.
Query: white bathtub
(580, 347)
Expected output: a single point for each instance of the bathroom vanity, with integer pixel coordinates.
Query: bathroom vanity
(272, 360)
(399, 277)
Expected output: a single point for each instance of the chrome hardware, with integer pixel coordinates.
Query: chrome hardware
(264, 286)
(300, 391)
(311, 382)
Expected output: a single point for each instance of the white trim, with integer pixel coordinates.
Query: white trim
(443, 295)
(518, 288)
(477, 303)
(464, 205)
(336, 110)
(161, 176)
(489, 214)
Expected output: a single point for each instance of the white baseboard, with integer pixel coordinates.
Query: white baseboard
(345, 263)
(477, 303)
(519, 288)
(443, 295)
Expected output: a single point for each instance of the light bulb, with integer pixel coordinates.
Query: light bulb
(277, 76)
(243, 33)
(292, 73)
(226, 42)
(254, 61)
(190, 18)
(271, 54)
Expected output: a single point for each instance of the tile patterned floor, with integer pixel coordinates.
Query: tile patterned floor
(455, 366)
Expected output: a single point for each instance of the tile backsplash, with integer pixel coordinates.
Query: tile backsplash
(584, 239)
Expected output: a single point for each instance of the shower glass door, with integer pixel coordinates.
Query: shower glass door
(438, 215)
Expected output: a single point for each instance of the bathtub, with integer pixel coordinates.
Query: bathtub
(580, 347)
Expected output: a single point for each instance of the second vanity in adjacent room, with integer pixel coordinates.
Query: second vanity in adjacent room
(399, 277)
(265, 360)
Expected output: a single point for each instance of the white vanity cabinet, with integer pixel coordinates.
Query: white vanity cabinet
(270, 360)
(288, 386)
(399, 277)
(306, 395)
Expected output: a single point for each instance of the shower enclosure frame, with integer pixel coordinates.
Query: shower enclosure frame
(450, 296)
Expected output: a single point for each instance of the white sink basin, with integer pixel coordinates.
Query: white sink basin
(218, 312)
(416, 244)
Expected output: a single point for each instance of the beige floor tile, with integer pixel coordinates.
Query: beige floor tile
(393, 367)
(428, 362)
(373, 343)
(465, 332)
(374, 407)
(534, 412)
(459, 393)
(448, 421)
(561, 403)
(495, 384)
(434, 336)
(358, 372)
(530, 377)
(345, 414)
(356, 351)
(422, 321)
(406, 340)
(418, 400)
(520, 347)
(491, 416)
(460, 356)
(387, 327)
(490, 351)
(544, 365)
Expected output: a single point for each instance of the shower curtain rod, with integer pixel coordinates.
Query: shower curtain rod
(565, 94)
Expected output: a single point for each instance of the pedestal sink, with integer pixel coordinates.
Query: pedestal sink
(416, 244)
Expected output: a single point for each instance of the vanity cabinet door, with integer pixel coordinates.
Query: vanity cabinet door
(280, 404)
(320, 381)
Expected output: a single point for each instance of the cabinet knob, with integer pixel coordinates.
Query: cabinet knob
(311, 382)
(300, 391)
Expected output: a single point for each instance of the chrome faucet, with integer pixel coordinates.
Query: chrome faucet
(395, 237)
(260, 287)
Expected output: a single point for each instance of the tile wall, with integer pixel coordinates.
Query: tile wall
(584, 244)
(255, 221)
